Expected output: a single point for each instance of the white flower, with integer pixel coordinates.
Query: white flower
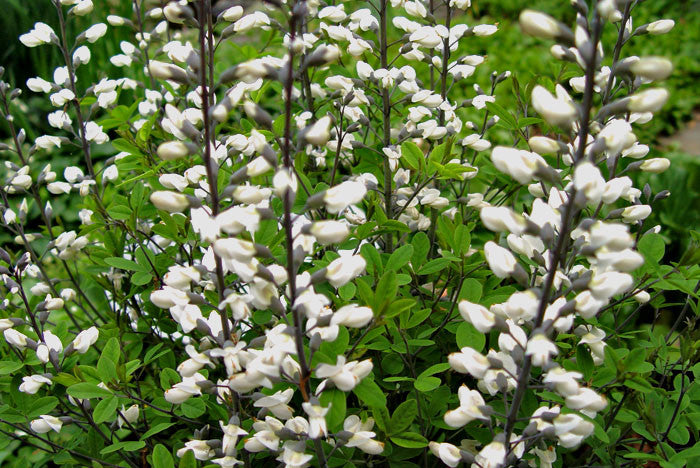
(45, 424)
(251, 21)
(469, 361)
(540, 348)
(655, 165)
(96, 31)
(447, 453)
(200, 449)
(319, 132)
(479, 316)
(41, 34)
(586, 400)
(500, 260)
(15, 338)
(660, 27)
(588, 179)
(344, 269)
(519, 164)
(345, 376)
(277, 404)
(352, 316)
(539, 24)
(329, 232)
(635, 213)
(502, 218)
(470, 403)
(31, 384)
(83, 7)
(650, 100)
(491, 456)
(130, 415)
(317, 419)
(169, 201)
(558, 110)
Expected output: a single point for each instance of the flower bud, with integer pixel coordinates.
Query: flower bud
(650, 100)
(660, 27)
(544, 145)
(541, 25)
(170, 201)
(559, 110)
(652, 68)
(655, 165)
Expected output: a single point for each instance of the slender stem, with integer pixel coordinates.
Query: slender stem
(205, 55)
(386, 116)
(559, 253)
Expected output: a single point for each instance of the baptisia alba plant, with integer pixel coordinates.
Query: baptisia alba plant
(297, 236)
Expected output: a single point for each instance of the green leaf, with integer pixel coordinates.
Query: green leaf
(188, 460)
(584, 361)
(9, 367)
(374, 261)
(141, 277)
(127, 446)
(409, 440)
(124, 264)
(369, 393)
(107, 364)
(162, 458)
(105, 409)
(193, 407)
(469, 336)
(399, 258)
(399, 306)
(121, 212)
(385, 291)
(156, 429)
(421, 246)
(427, 384)
(336, 414)
(381, 417)
(42, 405)
(87, 390)
(471, 290)
(507, 120)
(403, 416)
(412, 155)
(640, 384)
(435, 369)
(434, 266)
(652, 247)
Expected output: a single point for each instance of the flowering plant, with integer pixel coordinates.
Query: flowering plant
(299, 242)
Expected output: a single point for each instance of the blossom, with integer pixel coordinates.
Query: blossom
(46, 423)
(558, 110)
(540, 349)
(344, 269)
(500, 260)
(41, 34)
(362, 436)
(470, 404)
(31, 384)
(277, 403)
(447, 453)
(479, 316)
(338, 198)
(317, 419)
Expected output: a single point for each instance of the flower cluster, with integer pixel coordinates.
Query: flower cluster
(281, 228)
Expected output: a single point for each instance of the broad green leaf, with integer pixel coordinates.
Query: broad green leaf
(434, 369)
(162, 458)
(124, 264)
(426, 384)
(193, 407)
(87, 390)
(584, 361)
(156, 429)
(336, 414)
(412, 155)
(127, 446)
(188, 460)
(434, 266)
(469, 336)
(652, 247)
(9, 367)
(381, 417)
(42, 405)
(409, 440)
(105, 409)
(403, 416)
(369, 393)
(399, 257)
